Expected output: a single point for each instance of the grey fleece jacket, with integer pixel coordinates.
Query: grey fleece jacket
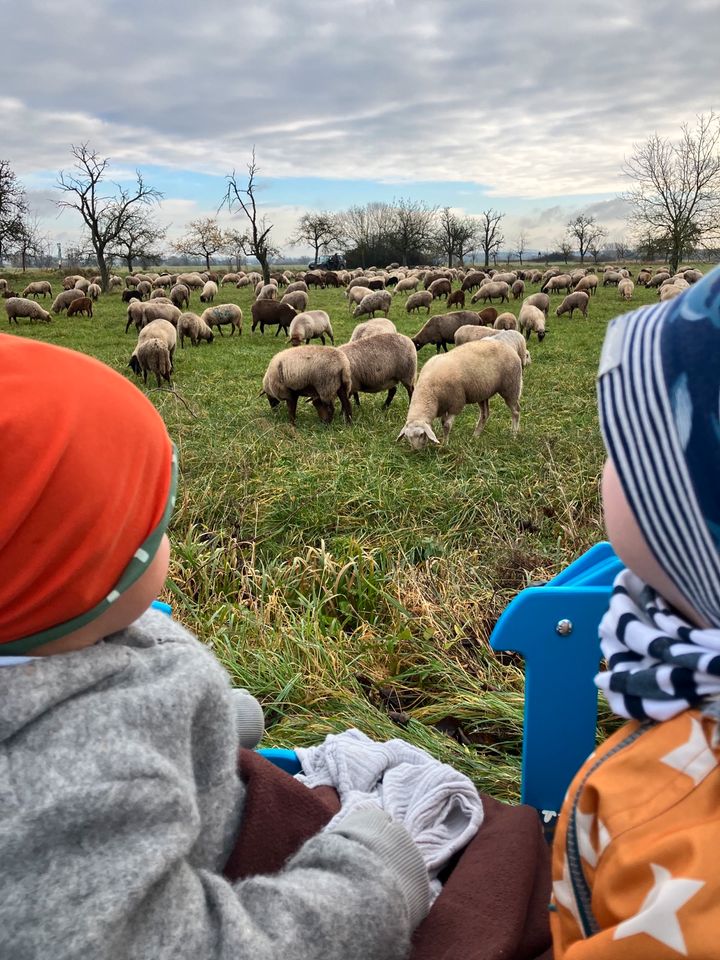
(119, 805)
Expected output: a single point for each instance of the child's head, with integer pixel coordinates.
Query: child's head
(659, 400)
(88, 473)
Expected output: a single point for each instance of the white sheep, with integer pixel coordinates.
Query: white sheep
(209, 292)
(20, 307)
(312, 325)
(157, 310)
(81, 284)
(490, 290)
(471, 373)
(372, 302)
(63, 299)
(267, 291)
(370, 328)
(517, 342)
(355, 296)
(381, 362)
(531, 319)
(626, 288)
(469, 332)
(298, 300)
(321, 373)
(36, 289)
(154, 351)
(505, 321)
(224, 313)
(407, 284)
(192, 326)
(94, 291)
(423, 298)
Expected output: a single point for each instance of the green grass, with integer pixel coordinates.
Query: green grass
(346, 580)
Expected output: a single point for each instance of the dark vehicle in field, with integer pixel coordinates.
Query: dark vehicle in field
(335, 262)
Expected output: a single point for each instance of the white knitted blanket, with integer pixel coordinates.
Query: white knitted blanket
(437, 805)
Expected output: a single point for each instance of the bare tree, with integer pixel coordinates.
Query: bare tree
(13, 207)
(490, 235)
(104, 215)
(356, 227)
(413, 227)
(455, 236)
(30, 241)
(586, 231)
(521, 245)
(236, 246)
(320, 230)
(565, 248)
(244, 197)
(204, 239)
(621, 249)
(676, 197)
(139, 239)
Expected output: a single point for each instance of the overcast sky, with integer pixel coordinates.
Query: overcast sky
(526, 108)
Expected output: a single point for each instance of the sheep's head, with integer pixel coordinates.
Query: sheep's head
(418, 435)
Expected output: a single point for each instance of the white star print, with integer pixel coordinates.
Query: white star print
(583, 825)
(563, 893)
(657, 917)
(694, 758)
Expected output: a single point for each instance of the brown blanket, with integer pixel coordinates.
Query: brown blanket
(493, 904)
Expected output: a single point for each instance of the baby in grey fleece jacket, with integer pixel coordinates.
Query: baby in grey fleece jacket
(120, 799)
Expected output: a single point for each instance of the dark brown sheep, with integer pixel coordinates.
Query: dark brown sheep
(269, 312)
(456, 298)
(80, 307)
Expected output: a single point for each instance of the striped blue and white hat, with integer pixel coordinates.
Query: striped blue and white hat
(659, 403)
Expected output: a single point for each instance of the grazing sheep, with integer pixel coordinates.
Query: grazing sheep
(359, 281)
(154, 351)
(531, 319)
(457, 298)
(94, 291)
(144, 288)
(440, 288)
(578, 300)
(472, 280)
(678, 281)
(209, 292)
(243, 282)
(3, 283)
(20, 307)
(229, 278)
(159, 293)
(376, 283)
(517, 342)
(309, 326)
(612, 278)
(268, 312)
(313, 279)
(157, 310)
(423, 298)
(227, 313)
(658, 279)
(135, 314)
(669, 291)
(488, 316)
(490, 290)
(371, 328)
(440, 329)
(128, 295)
(469, 332)
(407, 284)
(39, 287)
(193, 281)
(539, 300)
(576, 276)
(69, 282)
(626, 289)
(62, 300)
(692, 276)
(321, 373)
(80, 306)
(355, 296)
(296, 285)
(508, 278)
(562, 281)
(164, 280)
(114, 282)
(643, 276)
(587, 284)
(180, 295)
(266, 291)
(372, 302)
(472, 373)
(381, 362)
(505, 321)
(297, 299)
(192, 326)
(518, 289)
(552, 272)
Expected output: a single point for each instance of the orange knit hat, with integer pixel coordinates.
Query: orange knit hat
(87, 472)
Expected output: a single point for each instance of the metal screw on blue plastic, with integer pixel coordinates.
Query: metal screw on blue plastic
(564, 628)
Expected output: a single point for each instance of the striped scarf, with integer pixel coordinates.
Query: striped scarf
(658, 663)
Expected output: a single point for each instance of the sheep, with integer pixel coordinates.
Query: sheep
(669, 291)
(193, 281)
(135, 314)
(209, 291)
(243, 282)
(192, 326)
(164, 280)
(154, 351)
(560, 282)
(440, 288)
(180, 295)
(491, 289)
(267, 312)
(692, 276)
(80, 306)
(69, 282)
(611, 278)
(254, 277)
(229, 278)
(355, 296)
(381, 362)
(518, 289)
(508, 278)
(313, 279)
(372, 302)
(488, 316)
(441, 328)
(371, 328)
(128, 295)
(472, 280)
(21, 307)
(94, 291)
(575, 301)
(517, 342)
(472, 373)
(457, 298)
(407, 284)
(658, 279)
(159, 293)
(531, 318)
(297, 299)
(114, 282)
(576, 276)
(222, 314)
(587, 284)
(144, 288)
(3, 284)
(308, 326)
(539, 300)
(295, 286)
(376, 283)
(267, 291)
(626, 288)
(156, 310)
(423, 298)
(677, 281)
(62, 300)
(36, 289)
(359, 281)
(505, 321)
(468, 332)
(321, 373)
(643, 276)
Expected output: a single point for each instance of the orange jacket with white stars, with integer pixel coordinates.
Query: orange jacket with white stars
(636, 860)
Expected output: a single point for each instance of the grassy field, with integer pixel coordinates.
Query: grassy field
(346, 580)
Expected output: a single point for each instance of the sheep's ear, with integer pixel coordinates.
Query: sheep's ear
(430, 434)
(399, 437)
